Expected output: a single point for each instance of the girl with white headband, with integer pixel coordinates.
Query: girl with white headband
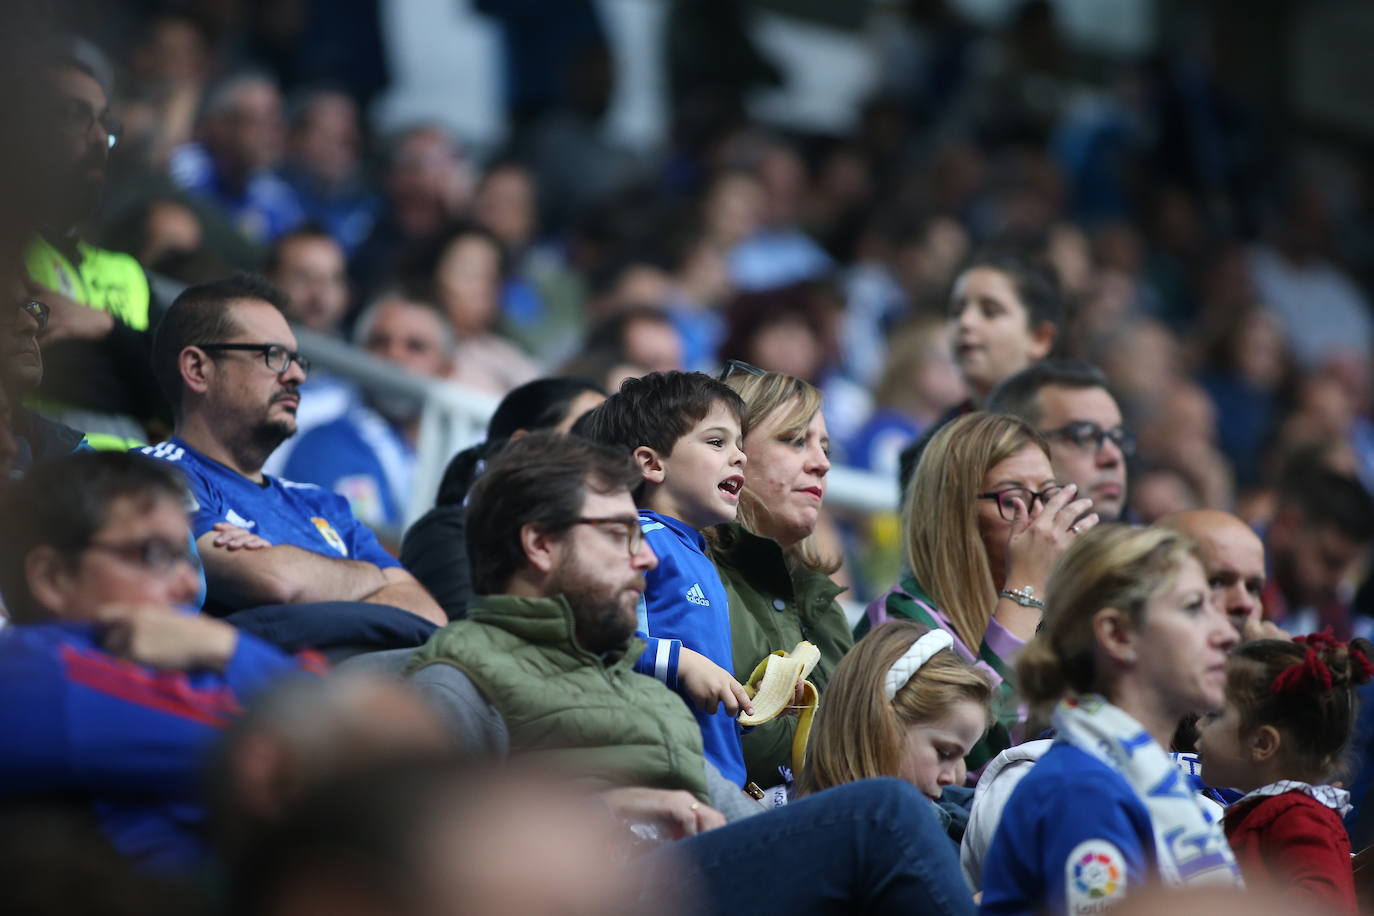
(902, 704)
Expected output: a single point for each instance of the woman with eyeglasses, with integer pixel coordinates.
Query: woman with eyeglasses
(984, 521)
(776, 575)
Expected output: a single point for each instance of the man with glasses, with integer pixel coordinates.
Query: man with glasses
(544, 662)
(1069, 402)
(98, 377)
(111, 689)
(229, 365)
(35, 438)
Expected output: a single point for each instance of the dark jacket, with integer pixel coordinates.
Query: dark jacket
(435, 550)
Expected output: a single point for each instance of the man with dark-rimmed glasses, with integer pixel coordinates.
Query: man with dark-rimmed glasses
(1069, 402)
(229, 364)
(101, 306)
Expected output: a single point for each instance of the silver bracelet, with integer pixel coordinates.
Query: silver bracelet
(1023, 596)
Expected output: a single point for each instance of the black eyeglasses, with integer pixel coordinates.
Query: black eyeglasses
(632, 532)
(38, 311)
(277, 357)
(1085, 434)
(155, 555)
(1028, 499)
(739, 367)
(81, 117)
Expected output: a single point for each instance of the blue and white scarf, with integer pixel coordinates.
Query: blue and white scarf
(1190, 845)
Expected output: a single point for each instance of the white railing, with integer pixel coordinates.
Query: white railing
(454, 418)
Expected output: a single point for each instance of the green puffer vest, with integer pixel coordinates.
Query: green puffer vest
(593, 717)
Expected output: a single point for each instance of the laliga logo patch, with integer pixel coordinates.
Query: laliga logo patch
(1096, 877)
(330, 535)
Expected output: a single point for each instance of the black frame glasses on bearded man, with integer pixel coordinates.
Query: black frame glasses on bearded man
(633, 533)
(1086, 433)
(277, 357)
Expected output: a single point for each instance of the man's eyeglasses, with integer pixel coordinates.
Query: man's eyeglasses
(739, 367)
(277, 357)
(1085, 434)
(155, 555)
(36, 310)
(630, 530)
(81, 117)
(1006, 499)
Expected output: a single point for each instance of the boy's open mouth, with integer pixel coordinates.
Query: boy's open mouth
(731, 486)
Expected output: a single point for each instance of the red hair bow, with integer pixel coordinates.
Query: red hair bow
(1313, 672)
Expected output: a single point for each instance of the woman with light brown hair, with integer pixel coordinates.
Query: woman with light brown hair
(984, 521)
(776, 573)
(901, 704)
(1131, 643)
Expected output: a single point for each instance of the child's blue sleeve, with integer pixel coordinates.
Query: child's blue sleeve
(659, 660)
(660, 657)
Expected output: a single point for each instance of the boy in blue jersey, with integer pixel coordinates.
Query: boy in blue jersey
(685, 430)
(111, 691)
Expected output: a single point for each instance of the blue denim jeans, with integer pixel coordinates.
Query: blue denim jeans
(874, 846)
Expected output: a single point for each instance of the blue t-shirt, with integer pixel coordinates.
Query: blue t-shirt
(361, 457)
(685, 604)
(1074, 838)
(79, 722)
(299, 514)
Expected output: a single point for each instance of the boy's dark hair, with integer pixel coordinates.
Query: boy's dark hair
(63, 503)
(1328, 498)
(1034, 279)
(1310, 700)
(1018, 394)
(657, 410)
(540, 479)
(200, 315)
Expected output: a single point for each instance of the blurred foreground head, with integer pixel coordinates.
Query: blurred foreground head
(307, 732)
(436, 839)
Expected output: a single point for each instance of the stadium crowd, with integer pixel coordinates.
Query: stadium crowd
(1110, 339)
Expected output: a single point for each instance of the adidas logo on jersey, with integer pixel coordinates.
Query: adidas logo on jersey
(697, 596)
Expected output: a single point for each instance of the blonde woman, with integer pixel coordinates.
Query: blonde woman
(984, 521)
(776, 575)
(901, 704)
(1131, 644)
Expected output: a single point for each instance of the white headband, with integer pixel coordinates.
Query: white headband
(920, 652)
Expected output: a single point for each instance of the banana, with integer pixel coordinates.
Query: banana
(774, 680)
(774, 692)
(811, 701)
(772, 686)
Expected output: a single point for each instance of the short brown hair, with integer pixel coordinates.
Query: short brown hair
(201, 315)
(539, 479)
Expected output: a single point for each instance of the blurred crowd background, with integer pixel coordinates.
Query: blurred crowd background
(605, 188)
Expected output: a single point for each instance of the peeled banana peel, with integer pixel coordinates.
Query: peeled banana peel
(772, 686)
